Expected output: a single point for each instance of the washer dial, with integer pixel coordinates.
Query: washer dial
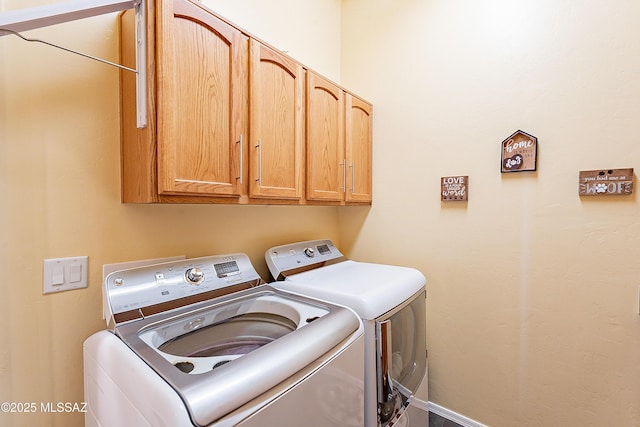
(194, 275)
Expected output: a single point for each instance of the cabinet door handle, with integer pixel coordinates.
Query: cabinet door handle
(344, 175)
(241, 163)
(259, 147)
(353, 177)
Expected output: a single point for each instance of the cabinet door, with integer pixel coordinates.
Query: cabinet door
(359, 119)
(276, 85)
(326, 172)
(202, 98)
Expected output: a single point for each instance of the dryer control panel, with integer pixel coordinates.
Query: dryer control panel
(300, 256)
(184, 280)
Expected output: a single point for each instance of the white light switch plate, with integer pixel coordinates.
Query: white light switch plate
(65, 274)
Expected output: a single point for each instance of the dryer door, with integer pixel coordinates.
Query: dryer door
(401, 356)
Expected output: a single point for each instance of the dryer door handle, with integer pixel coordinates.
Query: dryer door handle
(387, 396)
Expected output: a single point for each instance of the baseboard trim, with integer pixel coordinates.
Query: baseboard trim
(453, 416)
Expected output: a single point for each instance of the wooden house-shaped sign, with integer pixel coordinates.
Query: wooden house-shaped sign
(519, 152)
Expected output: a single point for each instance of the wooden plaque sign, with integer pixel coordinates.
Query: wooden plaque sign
(453, 188)
(601, 182)
(519, 153)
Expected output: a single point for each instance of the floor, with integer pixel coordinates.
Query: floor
(418, 418)
(436, 420)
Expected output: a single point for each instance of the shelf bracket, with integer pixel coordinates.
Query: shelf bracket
(141, 63)
(14, 22)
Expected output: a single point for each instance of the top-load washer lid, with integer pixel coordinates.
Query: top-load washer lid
(217, 335)
(318, 269)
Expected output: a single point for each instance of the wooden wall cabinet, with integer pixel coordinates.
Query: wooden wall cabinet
(326, 161)
(338, 143)
(199, 93)
(227, 120)
(277, 124)
(359, 122)
(202, 98)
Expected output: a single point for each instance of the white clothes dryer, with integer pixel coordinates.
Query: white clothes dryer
(204, 342)
(391, 301)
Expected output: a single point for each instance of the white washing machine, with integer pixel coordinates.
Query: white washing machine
(391, 301)
(204, 342)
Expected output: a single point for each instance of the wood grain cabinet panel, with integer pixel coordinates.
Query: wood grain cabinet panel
(277, 127)
(202, 97)
(359, 121)
(326, 173)
(339, 144)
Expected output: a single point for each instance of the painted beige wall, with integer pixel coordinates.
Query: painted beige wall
(309, 30)
(60, 190)
(532, 291)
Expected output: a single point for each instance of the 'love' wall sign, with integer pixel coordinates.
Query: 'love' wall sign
(453, 188)
(519, 152)
(602, 182)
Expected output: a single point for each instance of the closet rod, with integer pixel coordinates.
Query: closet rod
(95, 58)
(14, 22)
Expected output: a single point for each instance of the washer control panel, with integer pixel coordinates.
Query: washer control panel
(159, 283)
(286, 258)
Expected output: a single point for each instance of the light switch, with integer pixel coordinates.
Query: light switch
(75, 273)
(57, 274)
(64, 274)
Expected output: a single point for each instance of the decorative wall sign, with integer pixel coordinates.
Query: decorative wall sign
(519, 152)
(454, 188)
(601, 182)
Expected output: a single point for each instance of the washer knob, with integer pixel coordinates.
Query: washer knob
(194, 276)
(309, 252)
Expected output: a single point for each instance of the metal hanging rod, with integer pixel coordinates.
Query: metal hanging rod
(17, 21)
(95, 58)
